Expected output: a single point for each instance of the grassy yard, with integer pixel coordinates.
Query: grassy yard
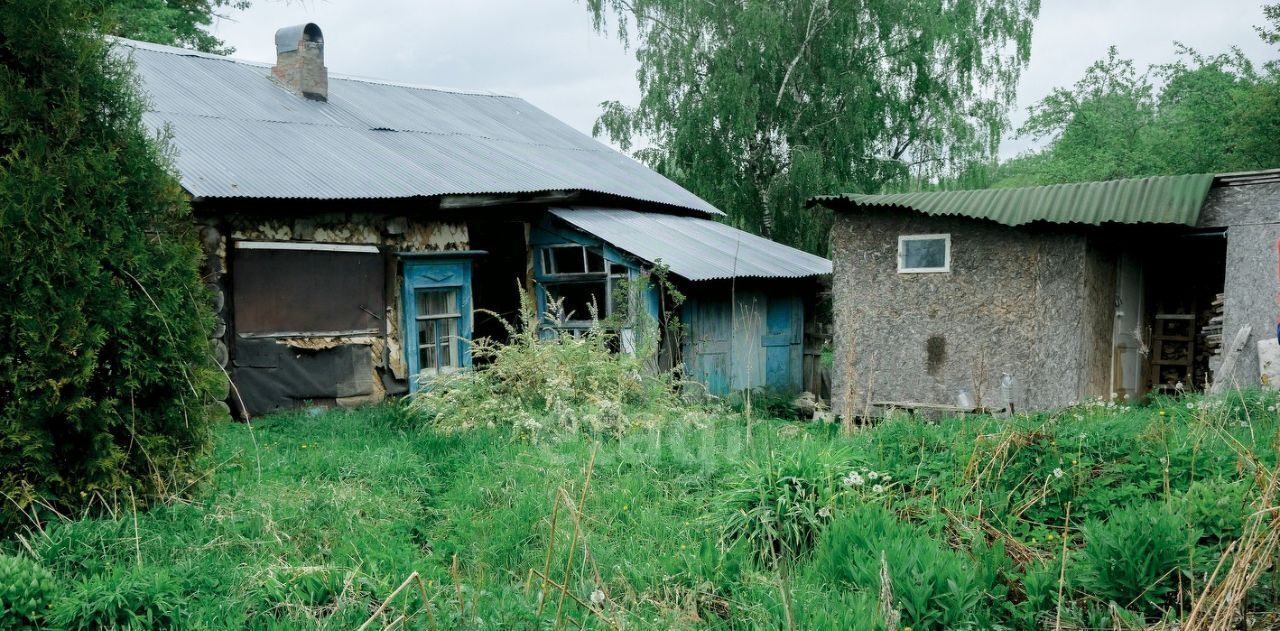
(312, 520)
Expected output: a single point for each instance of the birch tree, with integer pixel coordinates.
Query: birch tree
(758, 104)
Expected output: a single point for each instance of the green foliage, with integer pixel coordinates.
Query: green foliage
(845, 96)
(27, 591)
(310, 521)
(1217, 508)
(544, 379)
(104, 363)
(131, 598)
(1133, 557)
(933, 587)
(778, 505)
(172, 22)
(1198, 114)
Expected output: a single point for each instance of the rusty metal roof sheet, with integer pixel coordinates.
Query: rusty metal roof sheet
(1170, 199)
(239, 134)
(693, 247)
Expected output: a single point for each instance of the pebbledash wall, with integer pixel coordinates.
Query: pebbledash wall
(1036, 301)
(375, 361)
(1029, 302)
(1251, 216)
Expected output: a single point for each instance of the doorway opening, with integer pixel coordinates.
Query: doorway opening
(1184, 294)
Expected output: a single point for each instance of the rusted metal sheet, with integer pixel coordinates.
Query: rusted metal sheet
(290, 292)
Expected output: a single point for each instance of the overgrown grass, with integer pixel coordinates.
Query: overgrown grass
(312, 520)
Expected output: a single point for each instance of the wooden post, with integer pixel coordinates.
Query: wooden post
(1228, 368)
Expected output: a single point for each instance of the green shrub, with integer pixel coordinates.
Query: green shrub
(1133, 557)
(104, 361)
(1217, 508)
(133, 598)
(777, 505)
(26, 592)
(933, 587)
(544, 380)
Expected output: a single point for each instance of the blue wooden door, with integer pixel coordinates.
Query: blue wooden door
(436, 303)
(782, 339)
(710, 334)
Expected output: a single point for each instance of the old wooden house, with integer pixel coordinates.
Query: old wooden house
(1046, 296)
(361, 233)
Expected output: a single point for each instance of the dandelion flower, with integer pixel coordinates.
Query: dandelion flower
(597, 597)
(853, 479)
(1057, 472)
(872, 475)
(1079, 417)
(824, 512)
(877, 489)
(1191, 406)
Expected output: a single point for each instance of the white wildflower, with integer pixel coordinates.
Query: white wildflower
(597, 597)
(872, 475)
(1079, 417)
(877, 489)
(853, 479)
(1271, 408)
(1191, 406)
(1057, 472)
(1083, 436)
(824, 512)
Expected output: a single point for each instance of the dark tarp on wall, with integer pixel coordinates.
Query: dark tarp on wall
(271, 376)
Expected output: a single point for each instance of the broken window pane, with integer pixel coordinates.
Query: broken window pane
(578, 298)
(566, 259)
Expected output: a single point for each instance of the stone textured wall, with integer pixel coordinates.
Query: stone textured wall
(1251, 215)
(1017, 301)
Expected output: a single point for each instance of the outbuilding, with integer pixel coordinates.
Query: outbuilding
(360, 233)
(1042, 297)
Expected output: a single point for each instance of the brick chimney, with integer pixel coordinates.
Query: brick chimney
(300, 61)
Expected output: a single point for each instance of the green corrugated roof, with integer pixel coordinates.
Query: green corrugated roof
(1170, 199)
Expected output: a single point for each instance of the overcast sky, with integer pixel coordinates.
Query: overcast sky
(547, 52)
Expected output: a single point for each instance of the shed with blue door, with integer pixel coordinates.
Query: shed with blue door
(361, 235)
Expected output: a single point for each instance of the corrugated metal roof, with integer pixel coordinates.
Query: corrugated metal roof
(239, 134)
(693, 247)
(1172, 199)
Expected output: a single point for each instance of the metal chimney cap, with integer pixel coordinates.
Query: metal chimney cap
(290, 37)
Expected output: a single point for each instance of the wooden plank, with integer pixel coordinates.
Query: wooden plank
(1223, 377)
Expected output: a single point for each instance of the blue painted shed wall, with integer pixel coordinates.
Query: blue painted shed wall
(749, 338)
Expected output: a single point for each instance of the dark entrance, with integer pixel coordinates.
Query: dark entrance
(498, 276)
(1185, 278)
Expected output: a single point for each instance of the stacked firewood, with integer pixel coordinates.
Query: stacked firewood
(1209, 348)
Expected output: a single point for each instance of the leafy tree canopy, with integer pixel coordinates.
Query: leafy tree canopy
(1199, 114)
(172, 22)
(757, 104)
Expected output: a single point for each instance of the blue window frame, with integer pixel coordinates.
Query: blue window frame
(577, 271)
(436, 303)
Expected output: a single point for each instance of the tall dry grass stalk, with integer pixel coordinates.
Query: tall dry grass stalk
(1245, 560)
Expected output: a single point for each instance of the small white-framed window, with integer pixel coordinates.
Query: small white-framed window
(920, 253)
